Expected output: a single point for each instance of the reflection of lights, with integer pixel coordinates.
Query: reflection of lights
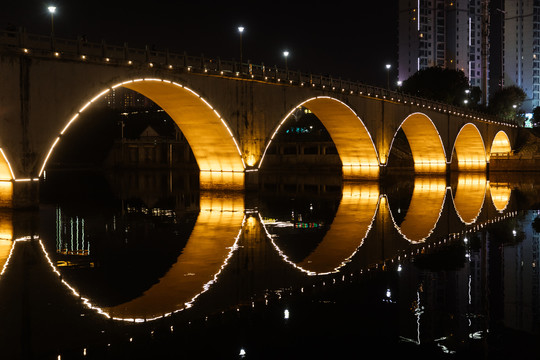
(470, 196)
(429, 193)
(500, 195)
(286, 314)
(87, 302)
(358, 205)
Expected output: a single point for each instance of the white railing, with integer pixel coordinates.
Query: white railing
(80, 49)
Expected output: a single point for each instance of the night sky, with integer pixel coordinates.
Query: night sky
(352, 40)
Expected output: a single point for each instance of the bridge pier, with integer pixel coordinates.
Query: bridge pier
(25, 195)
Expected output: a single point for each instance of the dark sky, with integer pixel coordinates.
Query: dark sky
(353, 40)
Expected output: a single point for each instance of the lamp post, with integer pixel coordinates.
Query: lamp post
(388, 66)
(240, 31)
(286, 54)
(52, 10)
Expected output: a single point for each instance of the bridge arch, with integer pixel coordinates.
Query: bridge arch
(212, 141)
(470, 149)
(425, 143)
(501, 144)
(353, 142)
(6, 172)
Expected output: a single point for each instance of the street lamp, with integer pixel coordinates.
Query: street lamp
(52, 10)
(286, 54)
(388, 66)
(240, 31)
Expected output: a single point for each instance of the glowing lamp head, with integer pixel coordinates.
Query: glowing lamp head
(388, 66)
(285, 53)
(52, 9)
(240, 29)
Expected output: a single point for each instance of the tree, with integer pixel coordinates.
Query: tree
(506, 102)
(536, 115)
(439, 84)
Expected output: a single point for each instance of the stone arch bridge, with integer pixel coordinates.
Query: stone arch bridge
(228, 112)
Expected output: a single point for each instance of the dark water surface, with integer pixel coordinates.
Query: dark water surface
(150, 265)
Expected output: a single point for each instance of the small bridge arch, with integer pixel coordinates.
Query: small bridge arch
(501, 144)
(469, 149)
(353, 142)
(425, 142)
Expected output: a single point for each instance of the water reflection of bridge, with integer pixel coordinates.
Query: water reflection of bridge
(365, 224)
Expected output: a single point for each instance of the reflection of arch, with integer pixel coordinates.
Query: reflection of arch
(211, 140)
(500, 195)
(425, 143)
(501, 144)
(424, 210)
(470, 149)
(6, 236)
(470, 195)
(6, 173)
(210, 245)
(353, 142)
(348, 230)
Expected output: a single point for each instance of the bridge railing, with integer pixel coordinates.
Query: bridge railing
(81, 49)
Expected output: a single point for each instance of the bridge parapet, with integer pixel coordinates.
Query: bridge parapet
(82, 50)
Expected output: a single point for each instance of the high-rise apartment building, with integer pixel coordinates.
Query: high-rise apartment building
(443, 33)
(522, 49)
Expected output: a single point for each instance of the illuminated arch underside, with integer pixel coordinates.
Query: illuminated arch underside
(353, 142)
(210, 140)
(470, 195)
(501, 144)
(210, 245)
(425, 208)
(425, 143)
(5, 169)
(349, 228)
(469, 148)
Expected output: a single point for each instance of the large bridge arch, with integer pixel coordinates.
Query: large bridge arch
(211, 139)
(469, 149)
(425, 142)
(353, 142)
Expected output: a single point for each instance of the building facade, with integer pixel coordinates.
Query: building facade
(522, 49)
(443, 33)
